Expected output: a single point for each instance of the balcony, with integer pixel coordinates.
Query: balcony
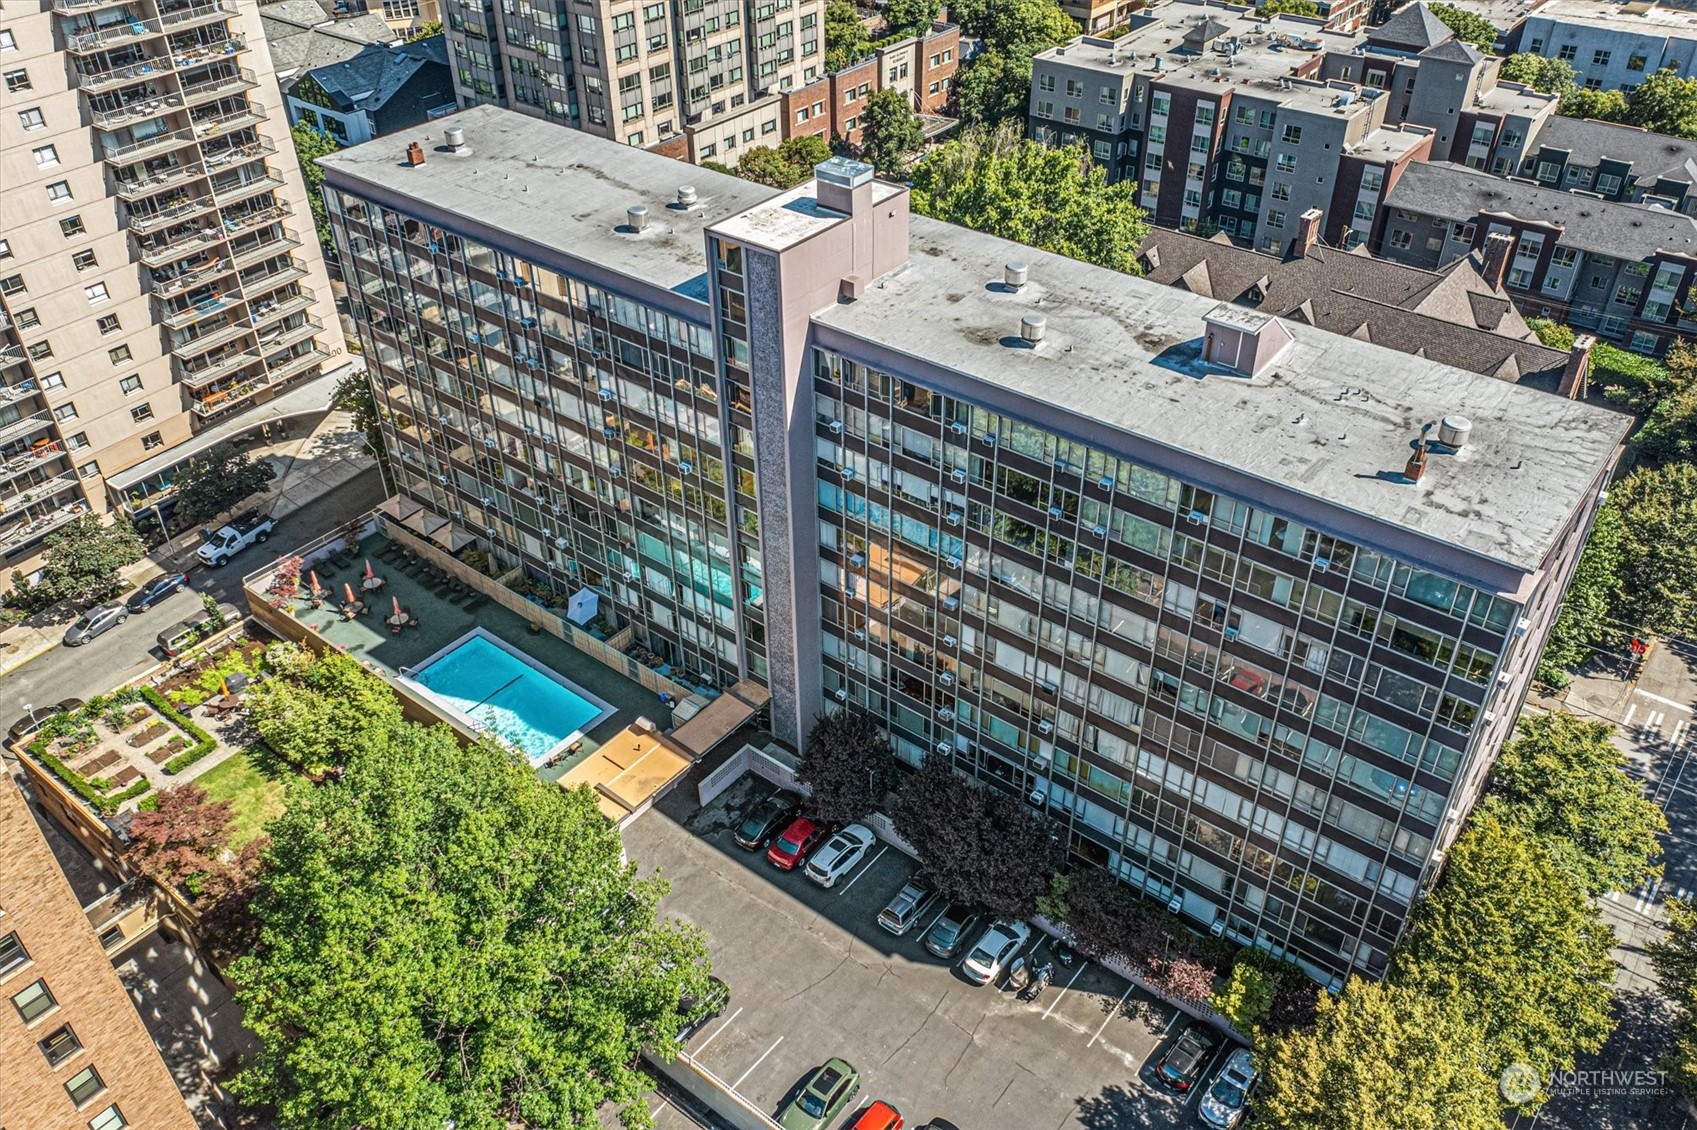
(180, 245)
(136, 150)
(226, 365)
(72, 7)
(196, 54)
(181, 211)
(234, 225)
(214, 124)
(92, 40)
(199, 311)
(94, 82)
(291, 367)
(265, 312)
(28, 461)
(217, 159)
(230, 193)
(281, 337)
(25, 533)
(11, 394)
(139, 110)
(17, 429)
(10, 355)
(196, 93)
(37, 492)
(198, 273)
(222, 400)
(261, 283)
(144, 187)
(195, 15)
(284, 240)
(212, 339)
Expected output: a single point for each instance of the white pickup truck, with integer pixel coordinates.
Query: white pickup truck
(227, 541)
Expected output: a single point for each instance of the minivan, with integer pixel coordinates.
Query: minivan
(184, 634)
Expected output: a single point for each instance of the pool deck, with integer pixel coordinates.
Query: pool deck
(441, 622)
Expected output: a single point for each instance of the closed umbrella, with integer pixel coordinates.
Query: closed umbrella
(397, 603)
(313, 575)
(348, 591)
(368, 571)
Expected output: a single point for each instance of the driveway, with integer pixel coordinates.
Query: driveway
(812, 975)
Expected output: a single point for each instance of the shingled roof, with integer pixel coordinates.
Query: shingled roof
(1452, 316)
(369, 79)
(1414, 28)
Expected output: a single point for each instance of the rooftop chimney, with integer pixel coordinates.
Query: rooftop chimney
(1496, 251)
(415, 153)
(1416, 466)
(843, 185)
(1578, 367)
(1307, 232)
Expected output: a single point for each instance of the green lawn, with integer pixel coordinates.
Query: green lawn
(252, 781)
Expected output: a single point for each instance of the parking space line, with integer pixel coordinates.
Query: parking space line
(1171, 1020)
(926, 932)
(1076, 975)
(869, 866)
(757, 1063)
(717, 1030)
(1110, 1016)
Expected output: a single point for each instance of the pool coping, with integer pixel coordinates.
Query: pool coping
(552, 756)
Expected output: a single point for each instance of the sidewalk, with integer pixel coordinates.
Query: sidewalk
(309, 466)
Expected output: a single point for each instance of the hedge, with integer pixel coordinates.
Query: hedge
(105, 805)
(204, 743)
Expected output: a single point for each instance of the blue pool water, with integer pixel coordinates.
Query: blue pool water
(506, 696)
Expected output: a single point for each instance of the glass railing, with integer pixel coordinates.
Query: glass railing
(215, 370)
(135, 150)
(158, 182)
(23, 533)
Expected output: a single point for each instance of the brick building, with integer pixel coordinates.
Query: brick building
(922, 67)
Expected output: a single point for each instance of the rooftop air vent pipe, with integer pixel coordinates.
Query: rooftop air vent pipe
(455, 137)
(686, 196)
(1014, 275)
(636, 217)
(1453, 432)
(1031, 328)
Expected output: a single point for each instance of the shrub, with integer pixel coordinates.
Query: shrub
(1246, 997)
(204, 743)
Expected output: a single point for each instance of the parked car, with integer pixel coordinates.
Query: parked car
(1179, 1069)
(826, 1094)
(228, 540)
(951, 931)
(94, 623)
(765, 819)
(792, 847)
(156, 590)
(996, 947)
(1226, 1100)
(879, 1116)
(38, 716)
(938, 1124)
(839, 855)
(718, 999)
(910, 904)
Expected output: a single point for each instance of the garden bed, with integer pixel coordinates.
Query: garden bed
(107, 751)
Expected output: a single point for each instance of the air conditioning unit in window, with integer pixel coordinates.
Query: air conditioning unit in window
(954, 563)
(604, 393)
(1060, 464)
(1197, 516)
(443, 479)
(559, 543)
(686, 468)
(488, 441)
(946, 714)
(836, 427)
(989, 439)
(1100, 531)
(1106, 482)
(1522, 626)
(1322, 563)
(548, 437)
(842, 694)
(1039, 794)
(860, 633)
(1045, 727)
(958, 475)
(944, 747)
(953, 518)
(529, 431)
(958, 428)
(948, 641)
(857, 559)
(1504, 679)
(1176, 903)
(1055, 512)
(1490, 716)
(848, 473)
(951, 603)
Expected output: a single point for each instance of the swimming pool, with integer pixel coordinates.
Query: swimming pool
(491, 686)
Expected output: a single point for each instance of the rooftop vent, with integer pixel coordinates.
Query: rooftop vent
(686, 196)
(1453, 432)
(1031, 328)
(1014, 275)
(636, 218)
(454, 136)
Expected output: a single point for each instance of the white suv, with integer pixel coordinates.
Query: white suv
(1228, 1095)
(839, 855)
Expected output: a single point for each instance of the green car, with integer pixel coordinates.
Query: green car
(826, 1094)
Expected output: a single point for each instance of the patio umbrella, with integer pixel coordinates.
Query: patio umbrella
(397, 602)
(348, 591)
(368, 571)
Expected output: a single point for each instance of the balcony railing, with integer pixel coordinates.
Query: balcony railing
(113, 35)
(198, 311)
(37, 492)
(283, 338)
(216, 370)
(247, 221)
(159, 182)
(215, 124)
(93, 82)
(236, 153)
(228, 194)
(292, 367)
(194, 15)
(10, 355)
(28, 461)
(263, 314)
(140, 110)
(192, 277)
(224, 399)
(18, 536)
(11, 394)
(198, 54)
(212, 339)
(25, 426)
(72, 7)
(180, 245)
(136, 150)
(271, 280)
(179, 212)
(283, 240)
(242, 79)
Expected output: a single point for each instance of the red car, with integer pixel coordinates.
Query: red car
(879, 1116)
(789, 849)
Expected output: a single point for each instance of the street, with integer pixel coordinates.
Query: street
(129, 649)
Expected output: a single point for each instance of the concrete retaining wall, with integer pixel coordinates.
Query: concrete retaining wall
(707, 1088)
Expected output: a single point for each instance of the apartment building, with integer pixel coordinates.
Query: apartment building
(921, 67)
(158, 271)
(380, 90)
(77, 1056)
(1246, 606)
(1622, 271)
(1619, 163)
(1612, 46)
(700, 70)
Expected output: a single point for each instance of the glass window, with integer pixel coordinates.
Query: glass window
(59, 1045)
(12, 953)
(109, 1119)
(33, 1001)
(84, 1085)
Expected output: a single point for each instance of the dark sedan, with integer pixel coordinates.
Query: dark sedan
(154, 591)
(37, 718)
(766, 820)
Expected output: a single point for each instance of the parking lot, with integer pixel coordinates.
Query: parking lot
(812, 976)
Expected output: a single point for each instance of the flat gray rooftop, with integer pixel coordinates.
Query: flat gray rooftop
(560, 188)
(1333, 418)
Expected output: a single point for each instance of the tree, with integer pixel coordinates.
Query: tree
(891, 132)
(1246, 997)
(447, 939)
(1633, 381)
(310, 145)
(81, 564)
(1668, 393)
(1658, 548)
(910, 17)
(1584, 619)
(1666, 103)
(1510, 939)
(1603, 105)
(1560, 779)
(1380, 1057)
(1551, 76)
(786, 166)
(995, 89)
(425, 30)
(845, 36)
(848, 765)
(1055, 199)
(325, 714)
(975, 844)
(184, 843)
(1290, 8)
(353, 395)
(1675, 959)
(805, 152)
(1468, 27)
(213, 481)
(1111, 923)
(1026, 26)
